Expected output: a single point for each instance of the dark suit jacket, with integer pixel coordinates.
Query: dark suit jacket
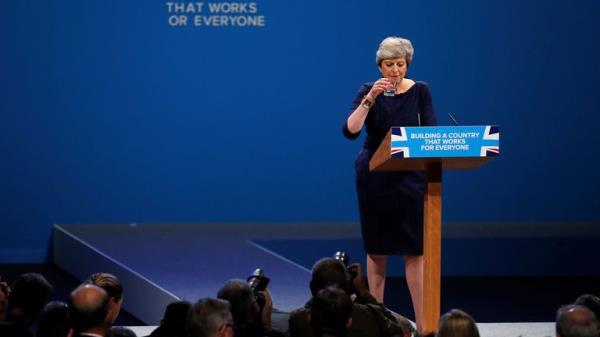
(8, 329)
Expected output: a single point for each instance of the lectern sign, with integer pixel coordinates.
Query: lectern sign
(445, 141)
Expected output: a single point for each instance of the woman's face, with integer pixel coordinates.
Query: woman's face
(394, 69)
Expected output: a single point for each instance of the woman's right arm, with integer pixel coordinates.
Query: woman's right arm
(357, 118)
(363, 103)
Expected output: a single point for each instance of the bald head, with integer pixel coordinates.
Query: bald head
(88, 308)
(88, 296)
(575, 321)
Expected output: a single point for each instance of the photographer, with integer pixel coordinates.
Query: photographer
(355, 284)
(369, 318)
(251, 310)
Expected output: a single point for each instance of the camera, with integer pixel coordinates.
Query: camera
(343, 257)
(258, 282)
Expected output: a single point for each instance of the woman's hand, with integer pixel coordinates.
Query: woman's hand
(378, 87)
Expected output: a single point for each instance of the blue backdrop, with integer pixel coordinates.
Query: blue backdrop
(108, 113)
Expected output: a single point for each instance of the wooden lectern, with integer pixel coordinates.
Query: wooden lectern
(433, 149)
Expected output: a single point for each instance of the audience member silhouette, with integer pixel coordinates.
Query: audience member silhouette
(250, 318)
(575, 321)
(331, 313)
(88, 308)
(369, 318)
(121, 331)
(54, 320)
(28, 295)
(173, 323)
(210, 318)
(591, 302)
(457, 323)
(111, 284)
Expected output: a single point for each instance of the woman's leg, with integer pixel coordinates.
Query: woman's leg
(414, 277)
(376, 270)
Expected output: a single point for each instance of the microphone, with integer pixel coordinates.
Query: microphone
(452, 119)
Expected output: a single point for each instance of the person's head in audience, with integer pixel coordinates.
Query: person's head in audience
(88, 308)
(121, 331)
(54, 320)
(249, 317)
(331, 284)
(111, 284)
(29, 293)
(591, 302)
(331, 312)
(329, 272)
(575, 321)
(210, 317)
(173, 323)
(457, 323)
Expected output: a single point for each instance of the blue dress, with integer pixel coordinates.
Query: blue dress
(391, 203)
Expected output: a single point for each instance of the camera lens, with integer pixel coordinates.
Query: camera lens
(341, 256)
(258, 281)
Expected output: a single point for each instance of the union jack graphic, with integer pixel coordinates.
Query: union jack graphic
(491, 133)
(399, 134)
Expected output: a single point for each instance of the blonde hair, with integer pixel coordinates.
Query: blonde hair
(110, 283)
(393, 47)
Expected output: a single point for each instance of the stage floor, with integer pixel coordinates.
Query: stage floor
(165, 262)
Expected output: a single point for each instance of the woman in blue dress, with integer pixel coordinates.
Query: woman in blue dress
(391, 203)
